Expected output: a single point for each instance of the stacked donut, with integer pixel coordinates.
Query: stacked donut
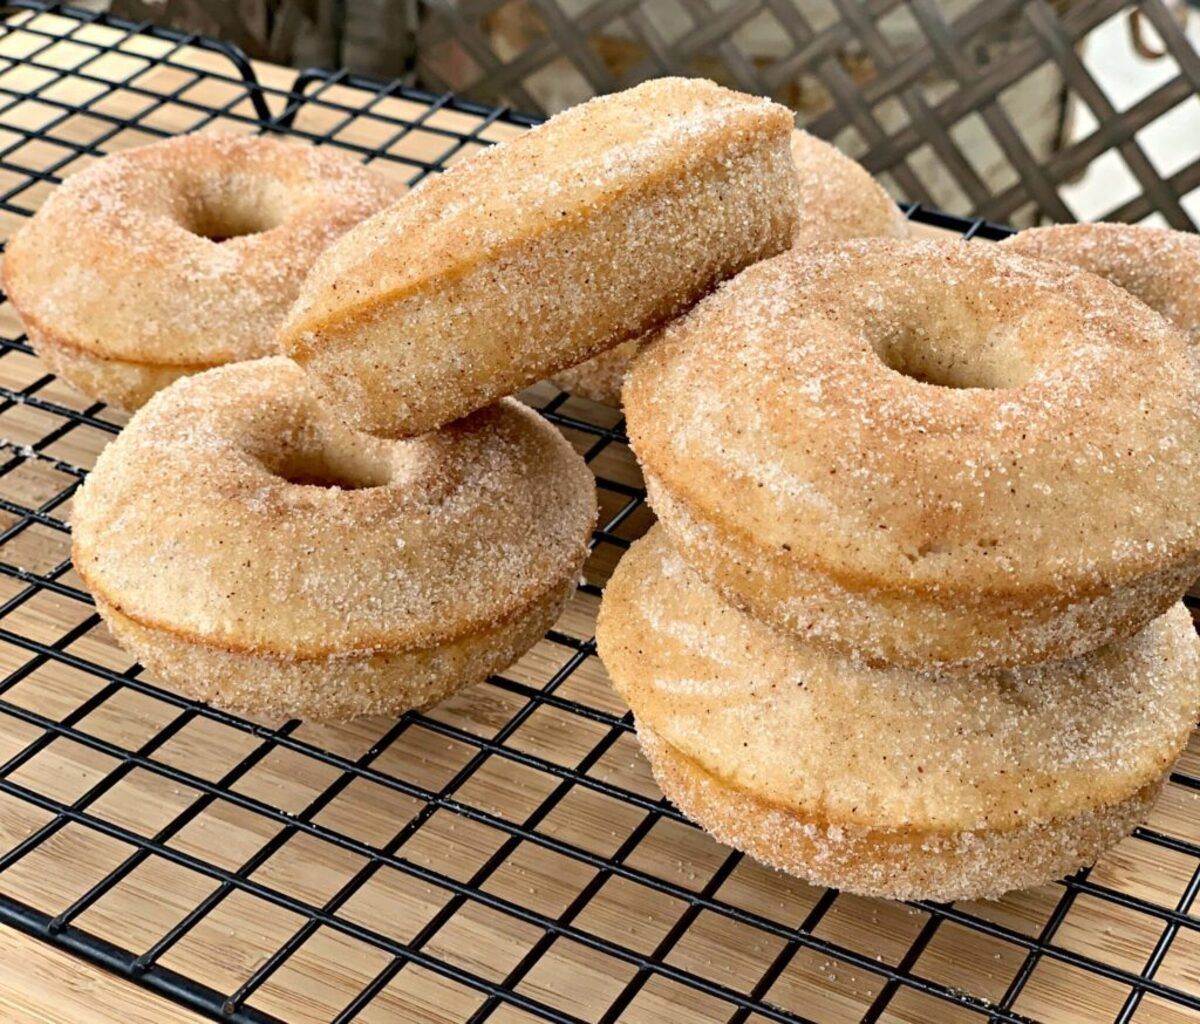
(909, 624)
(372, 523)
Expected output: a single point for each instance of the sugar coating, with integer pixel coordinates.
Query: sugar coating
(114, 271)
(1158, 265)
(1045, 505)
(599, 379)
(837, 199)
(800, 738)
(199, 520)
(882, 626)
(340, 685)
(529, 256)
(898, 864)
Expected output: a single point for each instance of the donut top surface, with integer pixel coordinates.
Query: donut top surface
(818, 735)
(925, 414)
(188, 251)
(233, 510)
(1160, 266)
(838, 197)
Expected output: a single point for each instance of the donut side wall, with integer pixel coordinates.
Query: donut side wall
(607, 271)
(895, 864)
(915, 625)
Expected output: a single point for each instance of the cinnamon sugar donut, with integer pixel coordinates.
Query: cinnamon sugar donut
(927, 453)
(891, 783)
(178, 256)
(535, 254)
(1160, 266)
(255, 553)
(838, 199)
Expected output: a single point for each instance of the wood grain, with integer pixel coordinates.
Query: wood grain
(41, 985)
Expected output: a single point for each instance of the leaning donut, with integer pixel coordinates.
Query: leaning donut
(837, 199)
(927, 453)
(254, 553)
(891, 783)
(536, 254)
(178, 256)
(1160, 266)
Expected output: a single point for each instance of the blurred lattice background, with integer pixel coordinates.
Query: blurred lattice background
(1016, 110)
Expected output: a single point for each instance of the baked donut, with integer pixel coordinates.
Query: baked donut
(255, 553)
(887, 782)
(599, 379)
(530, 256)
(837, 199)
(178, 256)
(1160, 266)
(927, 453)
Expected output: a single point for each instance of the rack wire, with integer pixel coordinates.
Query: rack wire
(504, 856)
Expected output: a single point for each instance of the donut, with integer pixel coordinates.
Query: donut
(178, 256)
(838, 199)
(1160, 266)
(599, 379)
(927, 453)
(256, 554)
(889, 782)
(530, 256)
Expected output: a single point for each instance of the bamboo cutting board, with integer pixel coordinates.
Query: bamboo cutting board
(38, 983)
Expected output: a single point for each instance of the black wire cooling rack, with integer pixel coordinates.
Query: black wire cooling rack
(502, 857)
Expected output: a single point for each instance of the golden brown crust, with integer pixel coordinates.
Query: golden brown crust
(119, 286)
(891, 782)
(124, 383)
(837, 199)
(341, 685)
(1054, 484)
(915, 624)
(235, 518)
(1158, 265)
(528, 257)
(890, 864)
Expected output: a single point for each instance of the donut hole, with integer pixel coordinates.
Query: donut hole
(957, 335)
(345, 471)
(233, 209)
(955, 355)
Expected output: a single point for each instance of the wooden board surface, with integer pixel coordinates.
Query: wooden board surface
(39, 984)
(42, 985)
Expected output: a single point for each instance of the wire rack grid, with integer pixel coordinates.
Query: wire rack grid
(504, 856)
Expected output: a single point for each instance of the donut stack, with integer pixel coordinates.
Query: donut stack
(371, 524)
(909, 624)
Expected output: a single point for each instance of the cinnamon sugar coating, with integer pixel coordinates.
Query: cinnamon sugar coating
(1160, 266)
(530, 256)
(255, 552)
(891, 782)
(599, 379)
(837, 199)
(120, 283)
(927, 454)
